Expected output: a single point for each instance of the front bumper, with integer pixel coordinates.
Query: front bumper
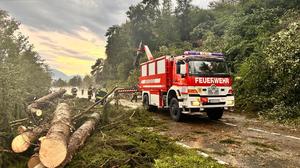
(213, 102)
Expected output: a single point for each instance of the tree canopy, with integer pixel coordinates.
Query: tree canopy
(23, 75)
(258, 37)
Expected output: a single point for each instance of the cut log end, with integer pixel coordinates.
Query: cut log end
(22, 129)
(52, 152)
(20, 143)
(33, 161)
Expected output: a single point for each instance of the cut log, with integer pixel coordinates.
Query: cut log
(40, 103)
(23, 141)
(79, 137)
(33, 161)
(53, 150)
(21, 129)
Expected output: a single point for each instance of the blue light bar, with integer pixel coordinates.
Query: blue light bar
(217, 54)
(203, 53)
(191, 53)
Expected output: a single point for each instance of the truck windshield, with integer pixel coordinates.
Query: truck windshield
(207, 68)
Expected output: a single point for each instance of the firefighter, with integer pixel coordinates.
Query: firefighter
(74, 91)
(101, 92)
(134, 95)
(90, 93)
(116, 95)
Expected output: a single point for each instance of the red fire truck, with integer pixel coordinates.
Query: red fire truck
(191, 83)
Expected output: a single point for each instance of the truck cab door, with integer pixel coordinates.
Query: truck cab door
(179, 72)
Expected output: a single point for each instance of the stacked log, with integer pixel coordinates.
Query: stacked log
(53, 149)
(23, 141)
(34, 162)
(37, 105)
(58, 146)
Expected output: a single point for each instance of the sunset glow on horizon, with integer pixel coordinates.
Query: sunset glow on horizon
(69, 53)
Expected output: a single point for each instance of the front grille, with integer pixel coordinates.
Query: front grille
(197, 95)
(193, 110)
(221, 103)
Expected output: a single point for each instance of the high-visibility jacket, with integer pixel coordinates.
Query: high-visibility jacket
(101, 93)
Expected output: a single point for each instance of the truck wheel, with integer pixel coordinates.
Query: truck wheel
(215, 113)
(175, 111)
(146, 104)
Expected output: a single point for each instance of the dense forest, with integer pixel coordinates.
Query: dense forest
(260, 38)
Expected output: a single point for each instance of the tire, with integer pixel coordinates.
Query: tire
(215, 113)
(175, 111)
(146, 104)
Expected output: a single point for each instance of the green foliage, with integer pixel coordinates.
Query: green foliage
(127, 140)
(75, 81)
(283, 55)
(59, 83)
(23, 76)
(87, 81)
(182, 13)
(283, 114)
(190, 160)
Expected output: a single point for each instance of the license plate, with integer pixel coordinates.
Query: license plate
(214, 100)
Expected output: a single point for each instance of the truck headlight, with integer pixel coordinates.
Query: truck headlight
(230, 102)
(196, 103)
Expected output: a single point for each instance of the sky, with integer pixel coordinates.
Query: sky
(69, 34)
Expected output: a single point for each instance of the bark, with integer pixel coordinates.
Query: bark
(40, 103)
(34, 161)
(79, 137)
(23, 141)
(53, 149)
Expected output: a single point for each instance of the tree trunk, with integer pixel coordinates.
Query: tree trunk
(23, 141)
(79, 137)
(40, 103)
(53, 150)
(34, 162)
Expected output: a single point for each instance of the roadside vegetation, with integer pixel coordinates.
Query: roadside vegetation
(23, 76)
(126, 138)
(260, 39)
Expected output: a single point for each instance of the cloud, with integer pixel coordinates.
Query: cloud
(70, 30)
(54, 46)
(68, 15)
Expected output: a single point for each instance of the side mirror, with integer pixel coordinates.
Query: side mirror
(182, 69)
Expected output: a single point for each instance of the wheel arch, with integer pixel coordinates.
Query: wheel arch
(145, 93)
(171, 93)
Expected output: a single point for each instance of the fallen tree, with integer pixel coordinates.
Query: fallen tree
(79, 137)
(53, 149)
(76, 141)
(40, 103)
(23, 141)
